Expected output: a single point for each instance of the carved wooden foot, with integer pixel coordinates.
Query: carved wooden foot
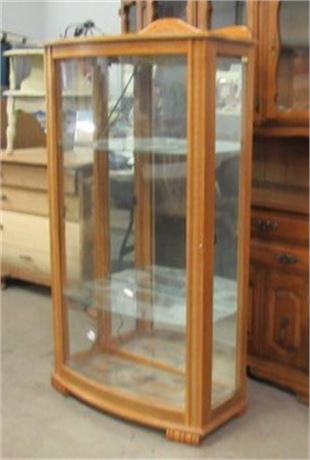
(59, 387)
(183, 436)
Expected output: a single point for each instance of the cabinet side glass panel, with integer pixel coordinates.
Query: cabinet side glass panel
(170, 9)
(293, 64)
(226, 13)
(131, 17)
(229, 113)
(124, 146)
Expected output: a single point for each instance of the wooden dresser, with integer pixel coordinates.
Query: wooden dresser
(25, 222)
(278, 329)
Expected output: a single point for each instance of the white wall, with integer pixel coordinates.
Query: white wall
(61, 13)
(47, 19)
(25, 18)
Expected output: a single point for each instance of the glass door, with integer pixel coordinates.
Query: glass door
(129, 15)
(293, 63)
(222, 13)
(124, 142)
(228, 13)
(287, 61)
(170, 9)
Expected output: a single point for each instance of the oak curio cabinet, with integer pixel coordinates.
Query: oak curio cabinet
(155, 332)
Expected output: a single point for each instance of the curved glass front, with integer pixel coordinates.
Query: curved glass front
(229, 115)
(124, 181)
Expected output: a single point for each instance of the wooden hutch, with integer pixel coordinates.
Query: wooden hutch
(278, 316)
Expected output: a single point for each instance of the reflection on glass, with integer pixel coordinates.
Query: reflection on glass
(132, 17)
(124, 147)
(293, 65)
(229, 89)
(170, 9)
(228, 13)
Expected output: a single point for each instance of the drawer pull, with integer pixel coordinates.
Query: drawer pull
(4, 197)
(265, 225)
(286, 259)
(24, 257)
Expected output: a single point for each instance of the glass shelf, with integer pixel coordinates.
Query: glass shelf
(149, 362)
(140, 146)
(159, 291)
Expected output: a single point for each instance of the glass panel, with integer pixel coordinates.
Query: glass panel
(124, 146)
(172, 9)
(293, 65)
(228, 13)
(229, 92)
(131, 11)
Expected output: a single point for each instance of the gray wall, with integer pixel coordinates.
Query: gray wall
(59, 14)
(25, 18)
(47, 19)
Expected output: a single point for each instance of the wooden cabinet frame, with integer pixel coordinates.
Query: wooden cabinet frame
(165, 37)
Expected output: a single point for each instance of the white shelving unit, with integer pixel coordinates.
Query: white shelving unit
(29, 95)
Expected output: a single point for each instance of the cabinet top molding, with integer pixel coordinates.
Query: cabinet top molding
(164, 29)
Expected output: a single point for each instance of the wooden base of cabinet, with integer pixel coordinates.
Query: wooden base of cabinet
(68, 383)
(185, 437)
(291, 379)
(59, 387)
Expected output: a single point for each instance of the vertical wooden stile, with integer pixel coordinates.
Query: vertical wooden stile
(101, 198)
(56, 211)
(200, 232)
(143, 225)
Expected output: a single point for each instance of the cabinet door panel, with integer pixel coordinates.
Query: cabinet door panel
(285, 319)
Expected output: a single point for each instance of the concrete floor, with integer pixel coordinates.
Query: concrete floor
(37, 422)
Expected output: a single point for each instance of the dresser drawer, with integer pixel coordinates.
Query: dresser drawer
(281, 256)
(23, 200)
(35, 202)
(279, 226)
(29, 232)
(25, 259)
(25, 231)
(26, 244)
(16, 259)
(32, 177)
